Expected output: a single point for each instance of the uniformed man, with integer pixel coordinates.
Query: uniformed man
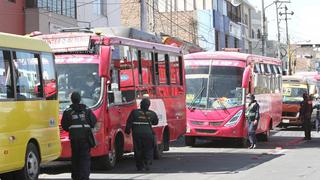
(140, 121)
(305, 115)
(77, 120)
(252, 116)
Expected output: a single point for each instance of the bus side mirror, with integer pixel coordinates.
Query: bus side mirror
(105, 58)
(246, 77)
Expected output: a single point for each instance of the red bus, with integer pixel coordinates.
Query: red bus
(121, 71)
(217, 86)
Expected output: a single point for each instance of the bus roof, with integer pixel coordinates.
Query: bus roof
(80, 41)
(294, 79)
(22, 42)
(142, 44)
(223, 55)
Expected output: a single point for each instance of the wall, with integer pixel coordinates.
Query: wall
(45, 22)
(205, 29)
(12, 17)
(99, 13)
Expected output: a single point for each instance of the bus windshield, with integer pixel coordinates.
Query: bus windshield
(78, 77)
(293, 94)
(223, 91)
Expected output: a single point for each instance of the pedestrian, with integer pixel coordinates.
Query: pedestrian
(140, 121)
(317, 107)
(77, 120)
(253, 117)
(305, 115)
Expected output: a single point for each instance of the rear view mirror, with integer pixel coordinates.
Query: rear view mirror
(105, 58)
(246, 77)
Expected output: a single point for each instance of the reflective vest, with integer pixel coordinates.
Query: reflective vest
(79, 128)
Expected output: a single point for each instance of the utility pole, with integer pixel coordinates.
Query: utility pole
(278, 31)
(288, 39)
(143, 16)
(263, 29)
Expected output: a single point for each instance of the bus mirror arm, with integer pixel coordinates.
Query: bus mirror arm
(246, 77)
(105, 58)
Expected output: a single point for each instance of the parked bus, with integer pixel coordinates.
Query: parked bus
(217, 84)
(29, 117)
(293, 89)
(125, 70)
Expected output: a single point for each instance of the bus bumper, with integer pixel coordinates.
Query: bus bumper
(221, 132)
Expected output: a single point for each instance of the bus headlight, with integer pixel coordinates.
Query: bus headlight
(235, 119)
(188, 130)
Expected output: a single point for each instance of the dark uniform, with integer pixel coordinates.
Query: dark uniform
(140, 121)
(305, 114)
(252, 114)
(77, 120)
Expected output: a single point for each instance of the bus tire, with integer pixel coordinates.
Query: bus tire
(166, 140)
(106, 162)
(189, 140)
(158, 151)
(264, 137)
(31, 168)
(119, 143)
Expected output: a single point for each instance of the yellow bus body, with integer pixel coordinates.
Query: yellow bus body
(28, 121)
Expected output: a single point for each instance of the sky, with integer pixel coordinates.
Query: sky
(304, 25)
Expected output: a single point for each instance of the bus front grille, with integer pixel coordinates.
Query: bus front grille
(206, 130)
(218, 123)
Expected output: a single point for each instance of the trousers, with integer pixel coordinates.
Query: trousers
(81, 159)
(307, 128)
(143, 149)
(252, 133)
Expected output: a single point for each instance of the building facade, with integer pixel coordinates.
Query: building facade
(12, 11)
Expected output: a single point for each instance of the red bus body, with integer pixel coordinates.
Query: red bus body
(126, 70)
(217, 109)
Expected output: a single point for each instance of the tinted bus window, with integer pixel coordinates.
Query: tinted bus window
(27, 75)
(161, 65)
(6, 85)
(174, 70)
(49, 76)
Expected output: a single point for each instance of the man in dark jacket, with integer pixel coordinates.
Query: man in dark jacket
(305, 115)
(140, 121)
(253, 117)
(77, 120)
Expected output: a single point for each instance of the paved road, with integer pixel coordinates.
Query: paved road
(285, 156)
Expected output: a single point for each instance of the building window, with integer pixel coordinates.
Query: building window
(63, 7)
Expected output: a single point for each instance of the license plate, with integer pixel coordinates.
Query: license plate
(285, 120)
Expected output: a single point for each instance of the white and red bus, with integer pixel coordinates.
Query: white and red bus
(217, 85)
(124, 71)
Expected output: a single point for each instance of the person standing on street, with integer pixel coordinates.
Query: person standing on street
(317, 107)
(305, 115)
(77, 120)
(253, 117)
(140, 121)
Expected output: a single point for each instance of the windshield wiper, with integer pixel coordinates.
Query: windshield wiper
(217, 99)
(199, 93)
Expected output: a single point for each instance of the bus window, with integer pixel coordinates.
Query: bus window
(257, 68)
(49, 76)
(146, 74)
(6, 85)
(27, 75)
(174, 70)
(160, 69)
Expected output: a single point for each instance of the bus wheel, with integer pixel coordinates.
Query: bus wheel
(106, 162)
(31, 168)
(264, 137)
(189, 140)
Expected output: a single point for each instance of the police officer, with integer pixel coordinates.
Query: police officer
(252, 116)
(305, 115)
(140, 121)
(77, 120)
